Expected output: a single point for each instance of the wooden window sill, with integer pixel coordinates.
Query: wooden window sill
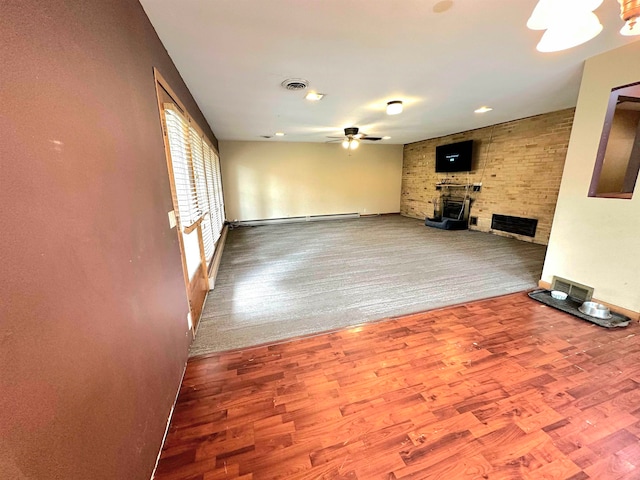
(614, 195)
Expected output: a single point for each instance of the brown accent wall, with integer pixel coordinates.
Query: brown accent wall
(519, 164)
(93, 329)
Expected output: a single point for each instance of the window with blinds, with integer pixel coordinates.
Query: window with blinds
(198, 185)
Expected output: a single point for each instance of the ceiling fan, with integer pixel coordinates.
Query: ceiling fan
(352, 137)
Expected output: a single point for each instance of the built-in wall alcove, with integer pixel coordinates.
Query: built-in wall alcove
(618, 157)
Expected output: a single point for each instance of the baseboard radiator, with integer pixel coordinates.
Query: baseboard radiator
(309, 218)
(517, 225)
(217, 257)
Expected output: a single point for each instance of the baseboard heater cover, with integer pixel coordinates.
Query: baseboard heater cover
(517, 225)
(217, 257)
(309, 218)
(575, 290)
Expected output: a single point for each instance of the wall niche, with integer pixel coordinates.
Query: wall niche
(618, 157)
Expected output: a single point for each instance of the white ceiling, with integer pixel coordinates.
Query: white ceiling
(233, 55)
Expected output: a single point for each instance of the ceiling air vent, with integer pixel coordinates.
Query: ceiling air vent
(295, 84)
(575, 290)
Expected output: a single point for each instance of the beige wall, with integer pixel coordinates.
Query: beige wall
(519, 164)
(264, 180)
(595, 241)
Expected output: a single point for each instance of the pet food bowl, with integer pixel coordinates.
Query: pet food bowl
(594, 309)
(558, 295)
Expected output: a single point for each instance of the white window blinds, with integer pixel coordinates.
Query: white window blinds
(214, 188)
(196, 169)
(187, 201)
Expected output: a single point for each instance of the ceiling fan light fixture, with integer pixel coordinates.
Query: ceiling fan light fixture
(345, 143)
(632, 27)
(562, 35)
(353, 144)
(630, 13)
(386, 137)
(394, 107)
(591, 5)
(541, 15)
(546, 12)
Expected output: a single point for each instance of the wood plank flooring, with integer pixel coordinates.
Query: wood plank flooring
(504, 388)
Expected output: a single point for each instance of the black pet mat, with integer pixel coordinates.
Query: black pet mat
(571, 306)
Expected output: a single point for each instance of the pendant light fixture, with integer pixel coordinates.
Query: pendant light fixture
(568, 23)
(548, 12)
(630, 13)
(562, 36)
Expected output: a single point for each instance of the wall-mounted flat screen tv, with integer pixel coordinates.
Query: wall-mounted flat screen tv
(454, 157)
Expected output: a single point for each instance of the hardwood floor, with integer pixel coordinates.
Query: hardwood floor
(495, 389)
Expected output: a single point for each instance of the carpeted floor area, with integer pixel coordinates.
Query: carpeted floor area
(283, 281)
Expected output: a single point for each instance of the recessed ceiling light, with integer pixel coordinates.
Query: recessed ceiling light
(313, 96)
(394, 107)
(386, 138)
(279, 134)
(483, 109)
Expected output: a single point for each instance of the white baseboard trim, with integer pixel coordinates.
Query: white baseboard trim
(308, 218)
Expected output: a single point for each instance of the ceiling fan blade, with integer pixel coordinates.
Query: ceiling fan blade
(356, 134)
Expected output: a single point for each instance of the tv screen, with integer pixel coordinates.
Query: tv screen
(454, 157)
